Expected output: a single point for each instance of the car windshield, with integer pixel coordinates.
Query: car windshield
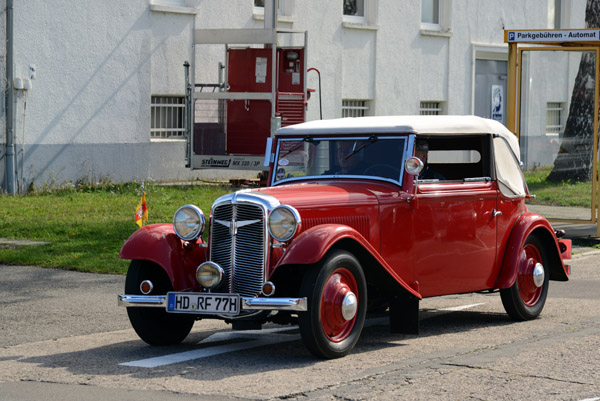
(374, 157)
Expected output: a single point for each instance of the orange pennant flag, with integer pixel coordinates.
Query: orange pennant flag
(141, 213)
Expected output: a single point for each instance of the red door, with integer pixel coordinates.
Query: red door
(455, 237)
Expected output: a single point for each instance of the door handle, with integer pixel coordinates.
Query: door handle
(496, 213)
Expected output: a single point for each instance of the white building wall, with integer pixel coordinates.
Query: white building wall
(87, 115)
(92, 79)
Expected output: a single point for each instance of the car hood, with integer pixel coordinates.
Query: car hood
(324, 194)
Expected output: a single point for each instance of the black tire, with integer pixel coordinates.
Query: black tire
(154, 325)
(324, 330)
(524, 300)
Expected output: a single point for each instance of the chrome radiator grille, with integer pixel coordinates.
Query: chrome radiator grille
(237, 244)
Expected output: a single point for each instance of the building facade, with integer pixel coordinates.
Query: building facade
(97, 94)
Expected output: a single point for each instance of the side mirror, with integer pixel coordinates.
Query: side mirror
(414, 166)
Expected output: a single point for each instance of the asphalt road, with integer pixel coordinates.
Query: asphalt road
(63, 338)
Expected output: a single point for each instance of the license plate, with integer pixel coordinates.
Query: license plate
(203, 303)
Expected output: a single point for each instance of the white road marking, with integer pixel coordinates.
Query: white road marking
(462, 307)
(255, 338)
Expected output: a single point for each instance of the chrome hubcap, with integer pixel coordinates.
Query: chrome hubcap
(349, 306)
(538, 275)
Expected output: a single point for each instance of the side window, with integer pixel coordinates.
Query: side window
(457, 159)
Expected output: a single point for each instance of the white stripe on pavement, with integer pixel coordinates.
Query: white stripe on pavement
(463, 307)
(251, 335)
(254, 338)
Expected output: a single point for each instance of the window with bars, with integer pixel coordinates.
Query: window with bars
(554, 116)
(355, 108)
(167, 117)
(430, 108)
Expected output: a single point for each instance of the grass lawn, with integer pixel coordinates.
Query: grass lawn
(557, 194)
(86, 227)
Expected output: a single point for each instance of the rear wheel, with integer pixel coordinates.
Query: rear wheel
(337, 302)
(527, 296)
(154, 325)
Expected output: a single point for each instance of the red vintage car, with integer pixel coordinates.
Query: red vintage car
(359, 213)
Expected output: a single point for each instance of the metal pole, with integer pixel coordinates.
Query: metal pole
(320, 105)
(511, 98)
(10, 102)
(274, 16)
(189, 103)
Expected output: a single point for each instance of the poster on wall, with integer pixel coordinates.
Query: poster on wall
(260, 71)
(497, 103)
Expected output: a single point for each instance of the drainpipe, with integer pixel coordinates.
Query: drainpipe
(10, 100)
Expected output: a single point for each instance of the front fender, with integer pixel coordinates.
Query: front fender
(158, 243)
(312, 245)
(528, 224)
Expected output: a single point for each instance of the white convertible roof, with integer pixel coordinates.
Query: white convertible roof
(420, 125)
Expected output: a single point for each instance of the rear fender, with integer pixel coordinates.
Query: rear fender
(158, 243)
(531, 224)
(312, 245)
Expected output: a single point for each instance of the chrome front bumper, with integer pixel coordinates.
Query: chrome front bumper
(248, 304)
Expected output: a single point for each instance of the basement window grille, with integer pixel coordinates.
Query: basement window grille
(167, 117)
(554, 113)
(355, 108)
(430, 109)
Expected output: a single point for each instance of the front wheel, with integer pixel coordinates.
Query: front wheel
(527, 296)
(154, 325)
(337, 302)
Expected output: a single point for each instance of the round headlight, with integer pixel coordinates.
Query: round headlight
(413, 166)
(283, 223)
(209, 275)
(189, 222)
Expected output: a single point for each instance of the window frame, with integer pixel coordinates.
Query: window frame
(442, 27)
(457, 157)
(284, 10)
(554, 111)
(353, 108)
(361, 19)
(431, 111)
(407, 143)
(433, 25)
(167, 119)
(188, 7)
(557, 19)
